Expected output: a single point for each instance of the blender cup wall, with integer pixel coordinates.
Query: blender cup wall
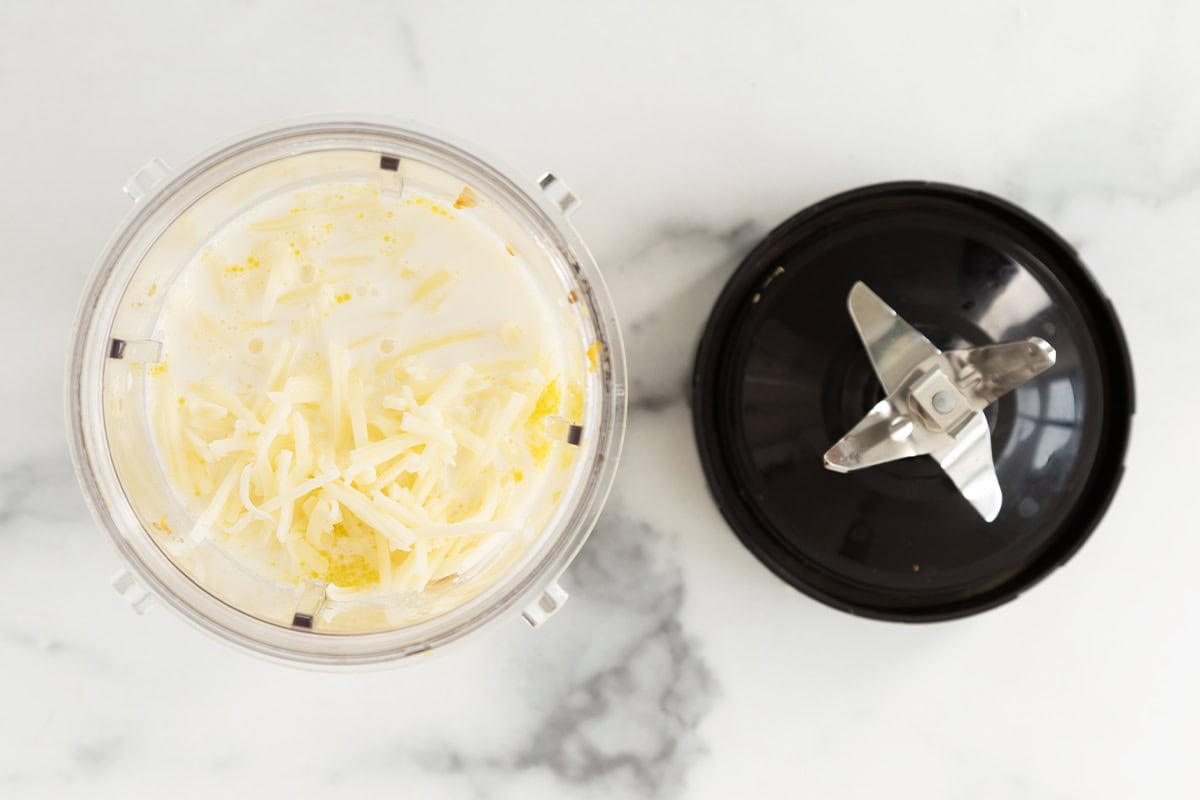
(115, 346)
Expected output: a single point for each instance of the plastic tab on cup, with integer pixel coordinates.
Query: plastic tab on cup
(311, 601)
(138, 597)
(391, 176)
(147, 351)
(559, 192)
(544, 607)
(145, 179)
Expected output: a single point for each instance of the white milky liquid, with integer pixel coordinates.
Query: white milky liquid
(338, 298)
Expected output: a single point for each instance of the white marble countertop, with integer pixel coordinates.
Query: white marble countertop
(681, 667)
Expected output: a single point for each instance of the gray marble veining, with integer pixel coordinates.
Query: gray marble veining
(679, 667)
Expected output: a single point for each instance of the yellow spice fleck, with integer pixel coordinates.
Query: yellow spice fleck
(548, 402)
(434, 207)
(466, 198)
(252, 263)
(593, 355)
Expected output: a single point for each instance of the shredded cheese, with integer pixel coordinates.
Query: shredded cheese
(400, 463)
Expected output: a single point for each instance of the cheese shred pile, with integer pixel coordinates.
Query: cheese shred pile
(364, 464)
(398, 481)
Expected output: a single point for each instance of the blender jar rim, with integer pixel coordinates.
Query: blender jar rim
(540, 207)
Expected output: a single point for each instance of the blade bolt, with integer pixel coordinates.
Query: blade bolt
(943, 402)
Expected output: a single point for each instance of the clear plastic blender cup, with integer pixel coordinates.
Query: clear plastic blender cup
(176, 213)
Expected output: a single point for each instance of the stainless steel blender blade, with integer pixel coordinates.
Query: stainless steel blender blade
(935, 400)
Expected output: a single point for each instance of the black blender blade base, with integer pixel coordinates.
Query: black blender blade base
(781, 375)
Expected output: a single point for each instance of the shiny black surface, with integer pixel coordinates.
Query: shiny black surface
(781, 375)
